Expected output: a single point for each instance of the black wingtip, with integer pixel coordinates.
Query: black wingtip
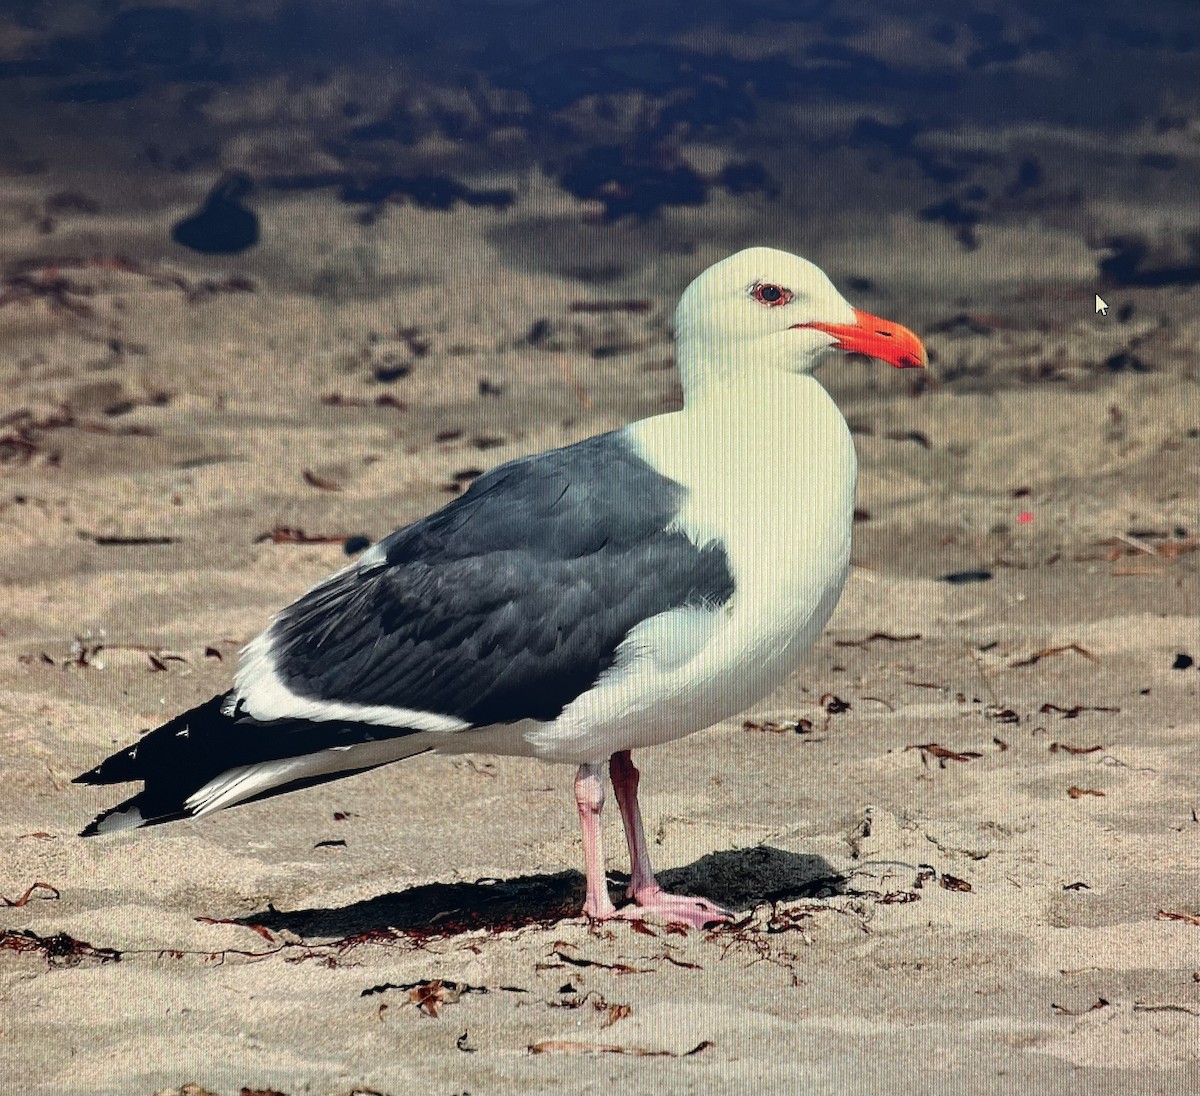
(132, 762)
(118, 769)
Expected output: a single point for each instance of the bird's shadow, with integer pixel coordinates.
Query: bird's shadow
(736, 878)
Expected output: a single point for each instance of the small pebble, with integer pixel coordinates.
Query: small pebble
(961, 578)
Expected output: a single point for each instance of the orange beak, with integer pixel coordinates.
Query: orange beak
(882, 339)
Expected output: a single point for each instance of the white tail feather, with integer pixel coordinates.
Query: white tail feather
(244, 782)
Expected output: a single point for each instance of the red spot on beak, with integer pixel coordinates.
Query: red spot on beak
(888, 342)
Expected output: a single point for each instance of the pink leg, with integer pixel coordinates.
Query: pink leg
(625, 778)
(644, 889)
(589, 798)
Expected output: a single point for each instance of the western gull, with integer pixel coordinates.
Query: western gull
(573, 605)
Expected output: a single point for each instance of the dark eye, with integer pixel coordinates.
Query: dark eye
(771, 295)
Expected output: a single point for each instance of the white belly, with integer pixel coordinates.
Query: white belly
(774, 482)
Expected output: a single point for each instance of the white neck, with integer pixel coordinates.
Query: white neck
(769, 467)
(769, 445)
(702, 366)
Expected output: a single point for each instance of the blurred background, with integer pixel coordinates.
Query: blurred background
(310, 236)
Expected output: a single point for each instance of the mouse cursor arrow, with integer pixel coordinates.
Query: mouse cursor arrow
(1101, 305)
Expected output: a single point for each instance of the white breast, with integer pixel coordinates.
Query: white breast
(770, 469)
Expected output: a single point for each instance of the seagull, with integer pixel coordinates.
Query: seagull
(574, 605)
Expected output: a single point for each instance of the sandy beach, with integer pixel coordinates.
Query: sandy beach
(963, 840)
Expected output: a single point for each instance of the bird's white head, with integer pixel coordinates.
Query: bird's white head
(763, 308)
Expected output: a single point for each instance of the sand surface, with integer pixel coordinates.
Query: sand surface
(963, 837)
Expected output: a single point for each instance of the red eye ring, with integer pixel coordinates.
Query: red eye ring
(771, 295)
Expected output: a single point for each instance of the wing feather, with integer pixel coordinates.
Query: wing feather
(511, 601)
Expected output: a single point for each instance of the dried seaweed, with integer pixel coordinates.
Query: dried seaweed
(942, 754)
(430, 995)
(580, 961)
(1074, 711)
(322, 483)
(612, 1012)
(876, 636)
(30, 891)
(25, 431)
(572, 1046)
(59, 291)
(1048, 652)
(797, 726)
(263, 932)
(1168, 548)
(59, 949)
(288, 534)
(1001, 715)
(1098, 1004)
(384, 399)
(1170, 915)
(892, 898)
(159, 660)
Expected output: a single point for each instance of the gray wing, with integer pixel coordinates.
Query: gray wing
(509, 602)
